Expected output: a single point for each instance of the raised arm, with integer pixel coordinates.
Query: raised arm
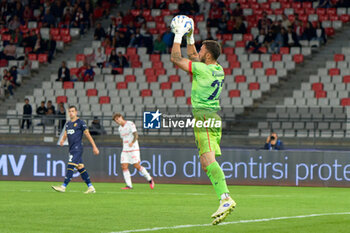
(191, 48)
(92, 142)
(177, 59)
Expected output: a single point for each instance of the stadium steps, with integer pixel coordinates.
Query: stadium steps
(269, 100)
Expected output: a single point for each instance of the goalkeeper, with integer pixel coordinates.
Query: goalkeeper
(208, 78)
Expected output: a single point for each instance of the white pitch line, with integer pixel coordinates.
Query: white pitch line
(234, 222)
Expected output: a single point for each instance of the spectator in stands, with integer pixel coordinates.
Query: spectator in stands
(136, 39)
(27, 114)
(50, 106)
(9, 52)
(238, 11)
(49, 20)
(292, 39)
(106, 43)
(286, 22)
(88, 74)
(276, 27)
(61, 115)
(147, 41)
(273, 143)
(222, 25)
(309, 32)
(81, 71)
(63, 73)
(67, 17)
(168, 38)
(257, 43)
(159, 46)
(112, 29)
(100, 58)
(269, 40)
(279, 41)
(193, 7)
(49, 118)
(343, 3)
(24, 70)
(14, 74)
(230, 24)
(122, 61)
(324, 4)
(7, 82)
(30, 40)
(56, 10)
(14, 23)
(27, 14)
(88, 15)
(119, 40)
(96, 128)
(112, 60)
(51, 47)
(320, 33)
(264, 22)
(68, 8)
(299, 29)
(78, 20)
(41, 111)
(39, 46)
(99, 32)
(17, 37)
(239, 26)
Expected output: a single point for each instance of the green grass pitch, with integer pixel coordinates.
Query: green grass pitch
(34, 207)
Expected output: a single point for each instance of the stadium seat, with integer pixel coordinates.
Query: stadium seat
(146, 93)
(104, 100)
(61, 99)
(234, 93)
(91, 92)
(68, 85)
(178, 93)
(122, 85)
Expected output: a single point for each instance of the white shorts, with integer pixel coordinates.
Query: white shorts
(130, 157)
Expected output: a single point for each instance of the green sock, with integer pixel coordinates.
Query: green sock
(217, 178)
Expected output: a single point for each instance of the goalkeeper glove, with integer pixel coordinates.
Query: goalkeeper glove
(190, 37)
(180, 26)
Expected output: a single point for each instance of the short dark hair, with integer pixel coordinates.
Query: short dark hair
(213, 47)
(43, 102)
(72, 106)
(26, 99)
(117, 115)
(49, 101)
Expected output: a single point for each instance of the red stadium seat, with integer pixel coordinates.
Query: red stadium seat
(188, 101)
(165, 86)
(61, 99)
(248, 37)
(131, 51)
(68, 85)
(346, 79)
(284, 50)
(240, 79)
(229, 50)
(330, 31)
(32, 57)
(345, 102)
(276, 57)
(240, 44)
(160, 72)
(130, 78)
(231, 57)
(179, 93)
(270, 71)
(119, 70)
(149, 71)
(317, 86)
(79, 57)
(55, 31)
(152, 78)
(257, 64)
(234, 93)
(298, 58)
(235, 64)
(174, 78)
(155, 57)
(3, 63)
(66, 39)
(146, 92)
(320, 94)
(5, 37)
(345, 18)
(227, 71)
(64, 32)
(104, 100)
(339, 57)
(254, 86)
(73, 71)
(122, 85)
(108, 51)
(42, 58)
(157, 65)
(334, 71)
(91, 92)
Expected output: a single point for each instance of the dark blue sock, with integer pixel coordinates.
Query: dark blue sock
(85, 176)
(69, 175)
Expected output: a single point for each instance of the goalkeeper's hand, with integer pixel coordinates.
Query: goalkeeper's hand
(180, 26)
(190, 37)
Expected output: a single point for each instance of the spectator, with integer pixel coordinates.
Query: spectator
(39, 46)
(78, 20)
(88, 15)
(30, 40)
(106, 43)
(299, 29)
(96, 128)
(159, 45)
(230, 24)
(168, 38)
(51, 47)
(119, 40)
(136, 39)
(309, 32)
(280, 41)
(273, 143)
(17, 37)
(122, 61)
(14, 23)
(13, 73)
(263, 22)
(324, 4)
(257, 43)
(147, 41)
(292, 39)
(61, 115)
(27, 14)
(63, 73)
(81, 71)
(193, 7)
(112, 60)
(112, 29)
(49, 20)
(238, 11)
(7, 82)
(99, 32)
(27, 114)
(320, 33)
(119, 19)
(41, 111)
(222, 25)
(9, 52)
(239, 26)
(285, 21)
(49, 118)
(56, 10)
(88, 74)
(269, 40)
(100, 58)
(50, 106)
(24, 70)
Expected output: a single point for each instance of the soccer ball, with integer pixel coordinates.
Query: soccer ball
(187, 23)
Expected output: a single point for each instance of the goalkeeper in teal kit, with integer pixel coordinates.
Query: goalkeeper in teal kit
(208, 78)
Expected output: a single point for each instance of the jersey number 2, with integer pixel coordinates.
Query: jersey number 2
(218, 84)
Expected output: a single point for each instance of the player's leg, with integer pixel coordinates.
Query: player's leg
(145, 173)
(86, 178)
(127, 176)
(68, 177)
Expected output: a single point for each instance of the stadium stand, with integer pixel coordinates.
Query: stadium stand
(151, 79)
